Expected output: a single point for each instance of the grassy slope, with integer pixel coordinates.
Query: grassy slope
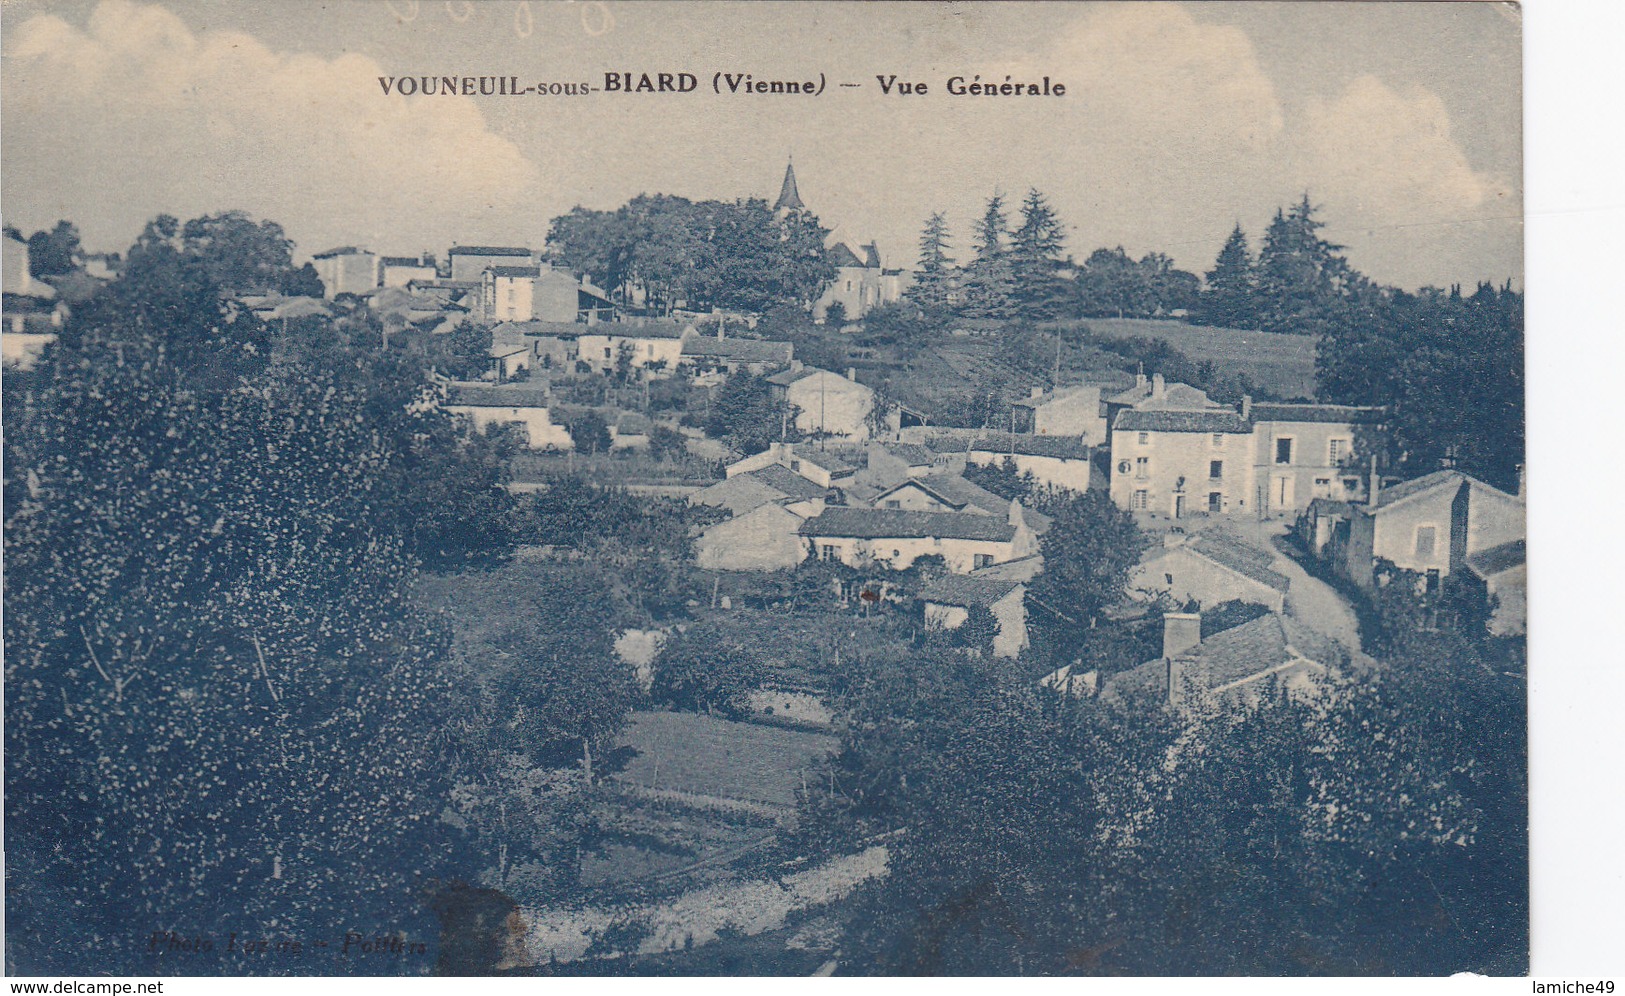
(1284, 364)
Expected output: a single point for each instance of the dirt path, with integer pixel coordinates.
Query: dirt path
(1311, 601)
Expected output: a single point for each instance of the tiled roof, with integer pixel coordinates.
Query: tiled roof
(1330, 506)
(616, 330)
(1427, 482)
(790, 484)
(488, 251)
(842, 255)
(1340, 414)
(963, 493)
(1059, 447)
(514, 271)
(403, 261)
(1216, 420)
(1233, 656)
(499, 397)
(1020, 569)
(564, 330)
(1495, 560)
(340, 251)
(1058, 395)
(1245, 560)
(964, 590)
(784, 378)
(741, 350)
(912, 454)
(834, 461)
(886, 523)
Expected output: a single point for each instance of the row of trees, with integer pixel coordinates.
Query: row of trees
(1023, 273)
(662, 251)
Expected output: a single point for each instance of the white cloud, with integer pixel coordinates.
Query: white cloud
(137, 114)
(1386, 168)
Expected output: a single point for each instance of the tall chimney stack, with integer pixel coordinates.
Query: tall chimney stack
(1159, 387)
(852, 373)
(1181, 632)
(1376, 483)
(1246, 407)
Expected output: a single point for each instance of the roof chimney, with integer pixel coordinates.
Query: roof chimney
(1159, 387)
(852, 373)
(1139, 379)
(1246, 407)
(1180, 632)
(1376, 483)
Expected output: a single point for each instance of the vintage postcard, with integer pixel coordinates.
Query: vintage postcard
(615, 488)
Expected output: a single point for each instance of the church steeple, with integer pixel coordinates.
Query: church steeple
(789, 199)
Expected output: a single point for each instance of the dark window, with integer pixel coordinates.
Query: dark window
(1215, 469)
(1424, 540)
(1283, 451)
(1215, 501)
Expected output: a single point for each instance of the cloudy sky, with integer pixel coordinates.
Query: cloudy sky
(1401, 119)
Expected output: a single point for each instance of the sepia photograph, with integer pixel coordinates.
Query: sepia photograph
(617, 488)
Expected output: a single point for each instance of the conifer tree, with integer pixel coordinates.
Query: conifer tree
(990, 284)
(933, 279)
(1035, 259)
(1228, 297)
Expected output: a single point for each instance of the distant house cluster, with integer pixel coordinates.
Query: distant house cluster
(33, 311)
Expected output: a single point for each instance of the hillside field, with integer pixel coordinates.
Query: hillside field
(1283, 364)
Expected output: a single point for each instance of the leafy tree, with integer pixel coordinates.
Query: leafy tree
(990, 283)
(835, 315)
(237, 253)
(643, 544)
(588, 431)
(467, 351)
(1088, 552)
(54, 252)
(745, 414)
(302, 282)
(1227, 299)
(978, 630)
(663, 251)
(700, 670)
(206, 582)
(445, 487)
(1111, 283)
(933, 277)
(666, 443)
